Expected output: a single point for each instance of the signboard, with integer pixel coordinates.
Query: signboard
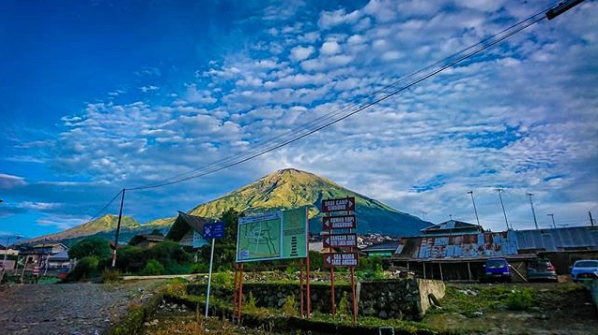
(349, 259)
(213, 230)
(340, 241)
(339, 222)
(336, 205)
(272, 236)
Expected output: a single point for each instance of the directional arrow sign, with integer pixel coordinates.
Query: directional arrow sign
(340, 240)
(350, 259)
(339, 222)
(334, 205)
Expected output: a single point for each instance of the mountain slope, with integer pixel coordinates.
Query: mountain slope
(104, 224)
(291, 188)
(283, 189)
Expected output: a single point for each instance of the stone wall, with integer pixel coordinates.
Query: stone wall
(387, 299)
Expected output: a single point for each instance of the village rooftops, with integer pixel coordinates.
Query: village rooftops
(452, 227)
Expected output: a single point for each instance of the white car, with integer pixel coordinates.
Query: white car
(584, 269)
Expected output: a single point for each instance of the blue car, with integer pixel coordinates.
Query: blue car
(496, 269)
(584, 269)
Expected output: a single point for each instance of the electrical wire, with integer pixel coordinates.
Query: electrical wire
(308, 132)
(105, 206)
(318, 120)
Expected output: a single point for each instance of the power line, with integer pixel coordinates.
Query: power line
(105, 206)
(230, 162)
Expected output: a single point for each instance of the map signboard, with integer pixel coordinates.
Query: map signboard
(272, 236)
(336, 205)
(349, 259)
(340, 241)
(339, 222)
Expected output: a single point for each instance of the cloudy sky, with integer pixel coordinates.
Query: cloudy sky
(100, 95)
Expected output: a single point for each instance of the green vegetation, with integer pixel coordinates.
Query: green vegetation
(92, 246)
(86, 268)
(520, 300)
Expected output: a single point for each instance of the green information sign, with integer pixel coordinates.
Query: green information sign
(273, 236)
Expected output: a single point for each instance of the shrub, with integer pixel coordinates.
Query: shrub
(131, 259)
(223, 280)
(91, 246)
(86, 268)
(520, 300)
(153, 268)
(290, 306)
(110, 275)
(199, 268)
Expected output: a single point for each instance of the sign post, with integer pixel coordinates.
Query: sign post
(213, 231)
(340, 214)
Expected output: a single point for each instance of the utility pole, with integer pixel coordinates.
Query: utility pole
(423, 214)
(120, 214)
(500, 190)
(475, 209)
(591, 219)
(552, 216)
(530, 195)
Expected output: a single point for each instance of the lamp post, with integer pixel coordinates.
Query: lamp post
(500, 190)
(531, 202)
(552, 216)
(475, 209)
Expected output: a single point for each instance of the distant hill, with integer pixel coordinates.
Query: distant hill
(282, 189)
(102, 225)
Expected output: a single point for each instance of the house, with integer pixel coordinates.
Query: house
(146, 241)
(60, 260)
(187, 230)
(384, 249)
(39, 252)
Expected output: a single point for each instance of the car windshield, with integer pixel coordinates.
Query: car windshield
(496, 263)
(587, 264)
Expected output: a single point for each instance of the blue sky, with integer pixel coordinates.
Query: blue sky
(100, 95)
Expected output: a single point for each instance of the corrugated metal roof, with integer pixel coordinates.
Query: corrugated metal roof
(389, 245)
(558, 239)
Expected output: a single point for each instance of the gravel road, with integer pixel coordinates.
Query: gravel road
(80, 308)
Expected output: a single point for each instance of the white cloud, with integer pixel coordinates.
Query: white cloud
(8, 181)
(300, 53)
(148, 88)
(330, 48)
(330, 19)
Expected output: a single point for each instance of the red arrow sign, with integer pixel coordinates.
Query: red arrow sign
(335, 205)
(340, 241)
(339, 222)
(350, 259)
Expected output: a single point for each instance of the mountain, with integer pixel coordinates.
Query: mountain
(290, 188)
(103, 225)
(282, 189)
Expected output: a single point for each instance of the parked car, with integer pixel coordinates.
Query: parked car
(541, 269)
(496, 269)
(584, 269)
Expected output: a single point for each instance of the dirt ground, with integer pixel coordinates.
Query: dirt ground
(80, 308)
(557, 309)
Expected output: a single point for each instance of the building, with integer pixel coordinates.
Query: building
(456, 250)
(146, 241)
(187, 230)
(384, 249)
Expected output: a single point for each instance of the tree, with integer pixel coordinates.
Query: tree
(91, 246)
